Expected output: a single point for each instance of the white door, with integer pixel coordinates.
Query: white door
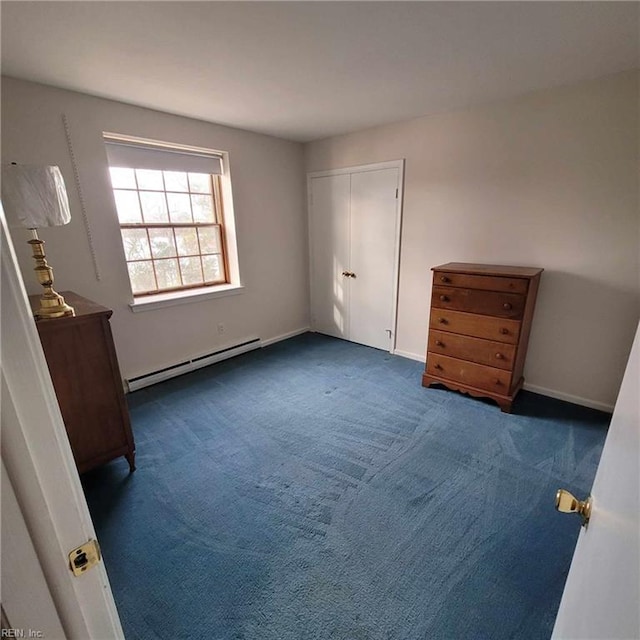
(38, 465)
(21, 572)
(329, 233)
(354, 241)
(601, 599)
(373, 226)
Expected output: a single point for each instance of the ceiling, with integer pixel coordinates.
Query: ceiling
(308, 70)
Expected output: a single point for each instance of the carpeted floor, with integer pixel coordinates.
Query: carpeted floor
(314, 490)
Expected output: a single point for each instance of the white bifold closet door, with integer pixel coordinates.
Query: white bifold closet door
(354, 234)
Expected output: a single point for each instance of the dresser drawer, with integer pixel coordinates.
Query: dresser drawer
(486, 283)
(498, 329)
(468, 373)
(490, 303)
(494, 354)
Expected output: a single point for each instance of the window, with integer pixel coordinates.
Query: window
(170, 209)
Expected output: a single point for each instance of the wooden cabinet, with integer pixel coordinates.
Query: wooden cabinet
(479, 329)
(86, 377)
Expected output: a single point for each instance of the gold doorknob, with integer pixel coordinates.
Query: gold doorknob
(567, 503)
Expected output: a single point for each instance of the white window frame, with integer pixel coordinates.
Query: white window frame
(233, 286)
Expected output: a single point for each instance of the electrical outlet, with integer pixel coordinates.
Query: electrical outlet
(220, 328)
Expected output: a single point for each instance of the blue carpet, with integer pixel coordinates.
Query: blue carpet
(314, 490)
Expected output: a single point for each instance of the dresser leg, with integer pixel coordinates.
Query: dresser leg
(505, 406)
(131, 459)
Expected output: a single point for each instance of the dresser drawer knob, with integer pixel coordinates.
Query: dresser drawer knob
(444, 298)
(499, 356)
(439, 343)
(507, 306)
(444, 279)
(497, 381)
(442, 321)
(437, 366)
(504, 331)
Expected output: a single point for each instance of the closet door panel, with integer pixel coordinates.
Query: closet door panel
(329, 246)
(372, 259)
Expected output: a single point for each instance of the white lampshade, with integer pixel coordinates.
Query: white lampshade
(34, 196)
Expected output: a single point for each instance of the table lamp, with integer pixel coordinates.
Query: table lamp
(35, 197)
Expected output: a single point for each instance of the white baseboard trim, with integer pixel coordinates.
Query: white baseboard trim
(408, 354)
(543, 391)
(191, 364)
(138, 382)
(196, 362)
(567, 397)
(285, 336)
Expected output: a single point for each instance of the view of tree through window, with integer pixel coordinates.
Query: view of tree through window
(171, 225)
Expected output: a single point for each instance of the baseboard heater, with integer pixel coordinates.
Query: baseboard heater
(133, 384)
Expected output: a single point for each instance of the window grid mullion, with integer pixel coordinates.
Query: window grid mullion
(200, 253)
(166, 200)
(153, 262)
(190, 201)
(202, 268)
(175, 242)
(135, 177)
(164, 225)
(213, 201)
(198, 239)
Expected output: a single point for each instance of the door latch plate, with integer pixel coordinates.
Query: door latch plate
(84, 557)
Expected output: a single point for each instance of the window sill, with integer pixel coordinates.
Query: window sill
(149, 303)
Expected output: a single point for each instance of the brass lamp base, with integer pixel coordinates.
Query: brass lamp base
(52, 304)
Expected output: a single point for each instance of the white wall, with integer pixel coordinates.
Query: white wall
(269, 201)
(550, 180)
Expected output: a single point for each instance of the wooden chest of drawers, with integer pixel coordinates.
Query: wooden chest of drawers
(84, 369)
(479, 328)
